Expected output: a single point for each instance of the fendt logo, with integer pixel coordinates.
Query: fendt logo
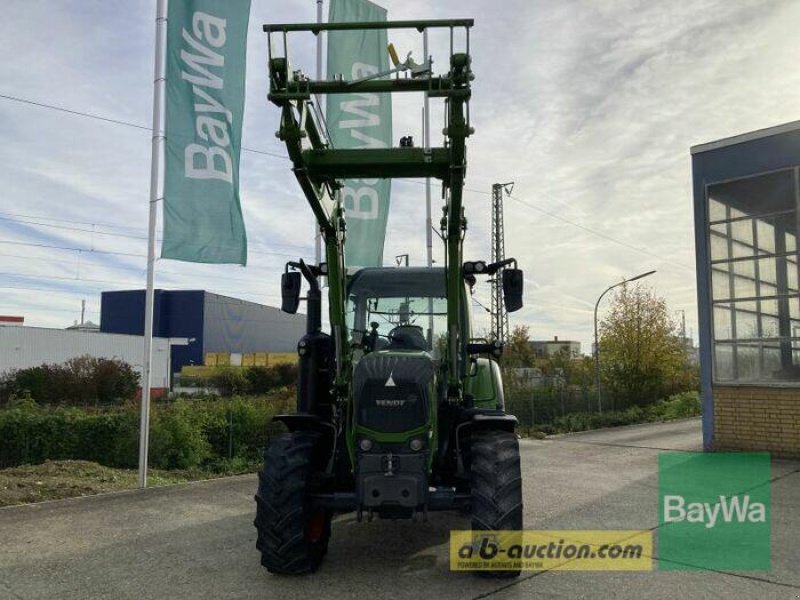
(390, 403)
(738, 509)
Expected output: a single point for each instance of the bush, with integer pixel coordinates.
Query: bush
(233, 381)
(681, 406)
(79, 381)
(184, 434)
(261, 380)
(229, 381)
(176, 438)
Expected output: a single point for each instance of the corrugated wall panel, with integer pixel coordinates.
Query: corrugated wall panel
(232, 325)
(23, 347)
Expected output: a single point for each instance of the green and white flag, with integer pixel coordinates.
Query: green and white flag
(206, 45)
(360, 121)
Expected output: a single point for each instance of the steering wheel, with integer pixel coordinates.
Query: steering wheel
(407, 337)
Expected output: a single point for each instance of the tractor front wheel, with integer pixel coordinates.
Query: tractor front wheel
(496, 486)
(292, 536)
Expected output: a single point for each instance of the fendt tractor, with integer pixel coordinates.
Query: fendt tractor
(400, 410)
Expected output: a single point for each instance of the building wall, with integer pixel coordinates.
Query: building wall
(758, 415)
(549, 348)
(214, 323)
(757, 419)
(24, 347)
(233, 325)
(176, 314)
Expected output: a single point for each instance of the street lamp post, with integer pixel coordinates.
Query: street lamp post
(596, 341)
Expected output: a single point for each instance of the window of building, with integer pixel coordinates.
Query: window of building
(753, 229)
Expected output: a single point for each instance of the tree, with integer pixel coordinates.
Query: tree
(517, 350)
(573, 371)
(642, 356)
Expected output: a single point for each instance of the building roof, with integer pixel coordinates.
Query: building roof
(746, 137)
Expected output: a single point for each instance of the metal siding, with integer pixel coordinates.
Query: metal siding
(181, 315)
(176, 314)
(233, 325)
(23, 347)
(747, 158)
(217, 323)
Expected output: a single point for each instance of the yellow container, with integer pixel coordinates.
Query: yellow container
(281, 358)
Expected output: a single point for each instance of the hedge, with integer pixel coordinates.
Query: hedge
(199, 433)
(684, 405)
(79, 381)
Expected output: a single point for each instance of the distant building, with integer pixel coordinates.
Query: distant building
(548, 348)
(10, 320)
(26, 347)
(213, 323)
(87, 326)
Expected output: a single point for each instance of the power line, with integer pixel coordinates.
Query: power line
(553, 215)
(96, 117)
(599, 234)
(124, 235)
(110, 252)
(276, 155)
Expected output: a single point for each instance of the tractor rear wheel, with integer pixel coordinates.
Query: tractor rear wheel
(496, 486)
(292, 537)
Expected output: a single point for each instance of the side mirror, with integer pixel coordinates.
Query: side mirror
(512, 289)
(290, 291)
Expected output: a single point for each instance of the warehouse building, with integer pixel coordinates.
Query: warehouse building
(212, 323)
(549, 348)
(747, 211)
(25, 347)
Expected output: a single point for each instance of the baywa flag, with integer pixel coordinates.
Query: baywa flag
(206, 45)
(360, 121)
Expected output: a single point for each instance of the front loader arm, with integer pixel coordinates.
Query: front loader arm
(319, 168)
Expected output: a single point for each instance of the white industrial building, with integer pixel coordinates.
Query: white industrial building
(24, 347)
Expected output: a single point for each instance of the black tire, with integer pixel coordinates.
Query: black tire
(292, 539)
(495, 486)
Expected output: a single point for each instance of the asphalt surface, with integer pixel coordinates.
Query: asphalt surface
(197, 540)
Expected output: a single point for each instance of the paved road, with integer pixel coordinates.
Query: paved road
(197, 541)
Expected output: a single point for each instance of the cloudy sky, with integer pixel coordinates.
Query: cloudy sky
(589, 106)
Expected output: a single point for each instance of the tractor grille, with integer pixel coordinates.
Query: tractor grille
(391, 392)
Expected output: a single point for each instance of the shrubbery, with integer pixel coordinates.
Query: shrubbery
(233, 381)
(184, 434)
(77, 382)
(686, 404)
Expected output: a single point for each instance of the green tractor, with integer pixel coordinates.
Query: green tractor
(400, 411)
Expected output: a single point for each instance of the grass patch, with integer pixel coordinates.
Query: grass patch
(57, 479)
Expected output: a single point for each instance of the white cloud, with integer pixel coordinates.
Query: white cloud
(590, 107)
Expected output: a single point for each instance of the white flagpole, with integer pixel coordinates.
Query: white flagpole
(317, 235)
(159, 83)
(427, 141)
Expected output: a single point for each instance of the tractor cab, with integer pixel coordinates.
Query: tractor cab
(399, 309)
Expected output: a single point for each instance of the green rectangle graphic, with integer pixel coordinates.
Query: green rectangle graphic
(206, 44)
(360, 121)
(714, 511)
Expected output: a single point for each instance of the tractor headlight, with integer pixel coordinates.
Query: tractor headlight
(365, 444)
(416, 444)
